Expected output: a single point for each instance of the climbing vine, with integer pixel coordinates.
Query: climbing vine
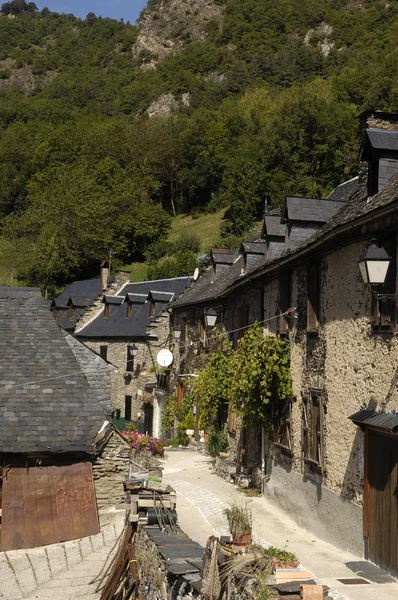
(247, 378)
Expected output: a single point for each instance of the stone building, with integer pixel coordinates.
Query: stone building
(129, 328)
(331, 458)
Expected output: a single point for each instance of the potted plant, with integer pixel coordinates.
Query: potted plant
(240, 524)
(189, 424)
(282, 559)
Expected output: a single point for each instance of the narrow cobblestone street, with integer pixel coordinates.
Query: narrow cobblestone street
(202, 495)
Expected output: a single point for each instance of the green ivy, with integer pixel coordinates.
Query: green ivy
(247, 378)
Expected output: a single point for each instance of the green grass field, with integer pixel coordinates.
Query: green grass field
(206, 227)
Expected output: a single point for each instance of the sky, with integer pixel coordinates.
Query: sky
(129, 10)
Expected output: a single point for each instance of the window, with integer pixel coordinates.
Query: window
(285, 303)
(313, 298)
(282, 421)
(129, 309)
(313, 416)
(384, 311)
(106, 310)
(242, 321)
(104, 352)
(127, 407)
(72, 314)
(130, 359)
(152, 310)
(162, 380)
(244, 264)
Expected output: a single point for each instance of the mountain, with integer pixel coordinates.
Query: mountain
(107, 129)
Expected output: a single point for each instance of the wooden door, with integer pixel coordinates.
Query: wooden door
(148, 418)
(383, 500)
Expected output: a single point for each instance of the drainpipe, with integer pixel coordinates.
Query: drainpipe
(262, 460)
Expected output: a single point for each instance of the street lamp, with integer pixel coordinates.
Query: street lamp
(210, 317)
(374, 264)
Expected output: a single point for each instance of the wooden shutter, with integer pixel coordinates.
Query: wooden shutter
(231, 420)
(316, 432)
(306, 427)
(242, 321)
(313, 298)
(285, 300)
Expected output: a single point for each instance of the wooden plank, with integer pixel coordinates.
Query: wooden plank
(366, 488)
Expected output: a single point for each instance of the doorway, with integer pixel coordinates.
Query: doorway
(148, 418)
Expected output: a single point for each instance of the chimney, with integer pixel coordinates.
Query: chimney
(104, 277)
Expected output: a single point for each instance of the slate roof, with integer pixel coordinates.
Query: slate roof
(136, 298)
(107, 299)
(378, 139)
(88, 288)
(224, 259)
(97, 371)
(309, 209)
(345, 191)
(118, 325)
(66, 322)
(205, 290)
(46, 403)
(274, 227)
(254, 247)
(80, 302)
(375, 418)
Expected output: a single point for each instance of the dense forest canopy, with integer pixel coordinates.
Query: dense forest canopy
(267, 106)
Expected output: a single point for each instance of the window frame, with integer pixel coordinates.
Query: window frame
(313, 429)
(103, 351)
(282, 424)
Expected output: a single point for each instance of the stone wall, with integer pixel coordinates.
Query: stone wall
(354, 366)
(110, 471)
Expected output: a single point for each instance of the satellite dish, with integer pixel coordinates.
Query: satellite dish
(164, 358)
(196, 274)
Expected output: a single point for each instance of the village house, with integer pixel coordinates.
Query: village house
(331, 458)
(126, 324)
(49, 426)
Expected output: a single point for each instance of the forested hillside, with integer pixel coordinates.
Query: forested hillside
(107, 129)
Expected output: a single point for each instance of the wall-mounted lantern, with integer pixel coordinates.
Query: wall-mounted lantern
(210, 317)
(133, 350)
(177, 333)
(374, 264)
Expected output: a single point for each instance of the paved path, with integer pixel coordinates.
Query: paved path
(60, 571)
(202, 495)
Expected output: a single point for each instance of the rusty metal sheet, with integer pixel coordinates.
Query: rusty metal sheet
(76, 501)
(46, 505)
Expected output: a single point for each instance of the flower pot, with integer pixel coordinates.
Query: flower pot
(285, 565)
(243, 540)
(190, 432)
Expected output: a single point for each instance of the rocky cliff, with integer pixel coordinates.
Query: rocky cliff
(167, 25)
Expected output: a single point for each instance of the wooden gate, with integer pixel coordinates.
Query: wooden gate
(47, 505)
(383, 500)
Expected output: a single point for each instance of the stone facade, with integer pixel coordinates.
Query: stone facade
(353, 365)
(132, 384)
